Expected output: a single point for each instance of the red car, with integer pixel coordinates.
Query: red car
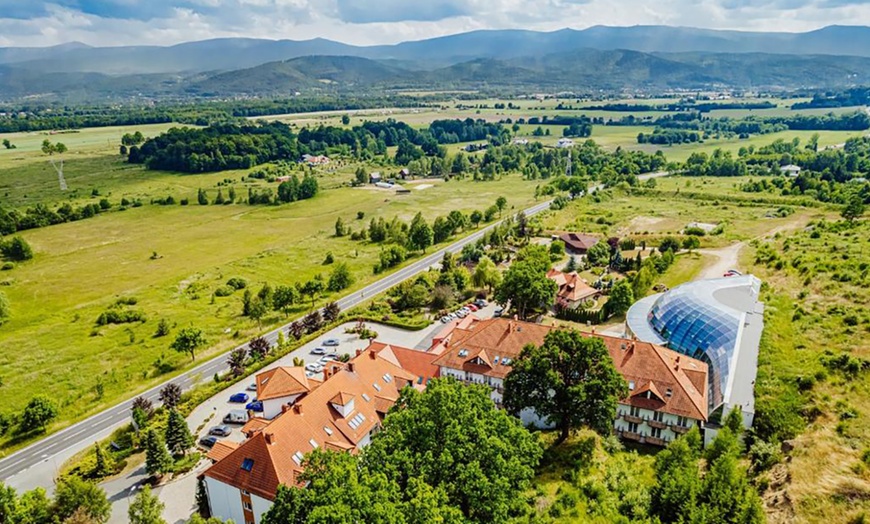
(472, 307)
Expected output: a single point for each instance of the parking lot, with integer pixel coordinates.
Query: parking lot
(211, 412)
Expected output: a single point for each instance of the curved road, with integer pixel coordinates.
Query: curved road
(82, 434)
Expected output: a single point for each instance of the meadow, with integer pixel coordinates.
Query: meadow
(171, 259)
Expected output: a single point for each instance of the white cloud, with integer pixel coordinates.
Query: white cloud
(163, 22)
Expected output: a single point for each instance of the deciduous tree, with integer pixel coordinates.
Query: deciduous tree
(146, 508)
(73, 495)
(527, 289)
(340, 278)
(188, 340)
(621, 297)
(170, 395)
(569, 380)
(38, 413)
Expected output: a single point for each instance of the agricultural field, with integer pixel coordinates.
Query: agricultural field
(171, 259)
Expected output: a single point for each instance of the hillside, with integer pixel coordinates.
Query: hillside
(240, 53)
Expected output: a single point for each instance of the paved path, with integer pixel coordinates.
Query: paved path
(727, 258)
(36, 465)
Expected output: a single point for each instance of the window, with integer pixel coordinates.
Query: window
(658, 416)
(248, 464)
(632, 427)
(669, 393)
(366, 397)
(297, 457)
(246, 492)
(682, 421)
(656, 433)
(327, 430)
(376, 386)
(634, 411)
(631, 385)
(247, 506)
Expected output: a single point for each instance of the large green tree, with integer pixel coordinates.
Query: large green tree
(486, 274)
(569, 380)
(527, 288)
(854, 208)
(621, 297)
(146, 508)
(157, 459)
(420, 235)
(39, 411)
(178, 437)
(453, 438)
(340, 278)
(76, 496)
(188, 340)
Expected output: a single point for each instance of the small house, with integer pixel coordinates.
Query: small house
(578, 243)
(565, 143)
(790, 170)
(375, 177)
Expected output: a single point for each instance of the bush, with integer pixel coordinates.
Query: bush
(7, 266)
(16, 249)
(224, 291)
(695, 231)
(764, 455)
(237, 283)
(120, 316)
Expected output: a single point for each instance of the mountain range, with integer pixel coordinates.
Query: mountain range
(610, 58)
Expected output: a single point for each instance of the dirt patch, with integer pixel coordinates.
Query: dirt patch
(421, 187)
(643, 224)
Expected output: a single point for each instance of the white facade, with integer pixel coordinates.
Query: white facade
(653, 427)
(225, 501)
(273, 407)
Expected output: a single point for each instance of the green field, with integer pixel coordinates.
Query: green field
(81, 268)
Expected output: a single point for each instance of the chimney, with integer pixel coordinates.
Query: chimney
(297, 408)
(373, 354)
(285, 408)
(593, 331)
(270, 438)
(358, 352)
(350, 366)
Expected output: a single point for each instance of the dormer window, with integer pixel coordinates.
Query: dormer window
(248, 464)
(631, 385)
(669, 393)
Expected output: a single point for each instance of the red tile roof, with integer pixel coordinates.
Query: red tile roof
(282, 382)
(370, 383)
(221, 450)
(649, 367)
(417, 362)
(572, 288)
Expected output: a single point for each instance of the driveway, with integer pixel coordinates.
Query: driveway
(726, 258)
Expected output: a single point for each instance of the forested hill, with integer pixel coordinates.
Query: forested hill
(580, 71)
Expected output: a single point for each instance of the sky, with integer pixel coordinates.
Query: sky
(366, 22)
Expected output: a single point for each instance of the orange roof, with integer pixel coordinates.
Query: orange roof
(679, 381)
(370, 383)
(441, 340)
(254, 425)
(488, 339)
(282, 382)
(342, 398)
(572, 288)
(221, 449)
(417, 362)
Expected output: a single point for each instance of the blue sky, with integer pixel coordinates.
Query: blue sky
(124, 22)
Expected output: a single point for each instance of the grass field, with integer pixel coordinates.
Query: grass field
(81, 268)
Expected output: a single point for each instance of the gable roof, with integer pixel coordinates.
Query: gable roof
(417, 362)
(578, 241)
(490, 339)
(572, 288)
(277, 449)
(221, 449)
(282, 382)
(651, 368)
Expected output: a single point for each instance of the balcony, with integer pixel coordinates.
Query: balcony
(655, 441)
(632, 419)
(628, 435)
(657, 424)
(679, 429)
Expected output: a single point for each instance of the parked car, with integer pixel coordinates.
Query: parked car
(499, 311)
(318, 351)
(208, 441)
(733, 273)
(331, 342)
(252, 387)
(220, 431)
(236, 416)
(333, 355)
(239, 398)
(480, 303)
(310, 374)
(314, 368)
(461, 314)
(255, 406)
(325, 360)
(445, 319)
(472, 307)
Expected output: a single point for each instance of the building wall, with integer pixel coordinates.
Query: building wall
(225, 501)
(644, 429)
(272, 407)
(261, 506)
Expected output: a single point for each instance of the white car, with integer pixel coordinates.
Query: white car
(318, 351)
(445, 319)
(325, 360)
(314, 367)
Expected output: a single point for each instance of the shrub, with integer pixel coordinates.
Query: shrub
(16, 249)
(120, 316)
(764, 455)
(237, 283)
(7, 266)
(224, 291)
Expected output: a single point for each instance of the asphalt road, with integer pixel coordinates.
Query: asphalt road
(81, 434)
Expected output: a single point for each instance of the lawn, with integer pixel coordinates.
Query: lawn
(81, 268)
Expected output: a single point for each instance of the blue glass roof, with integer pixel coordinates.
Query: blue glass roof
(699, 319)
